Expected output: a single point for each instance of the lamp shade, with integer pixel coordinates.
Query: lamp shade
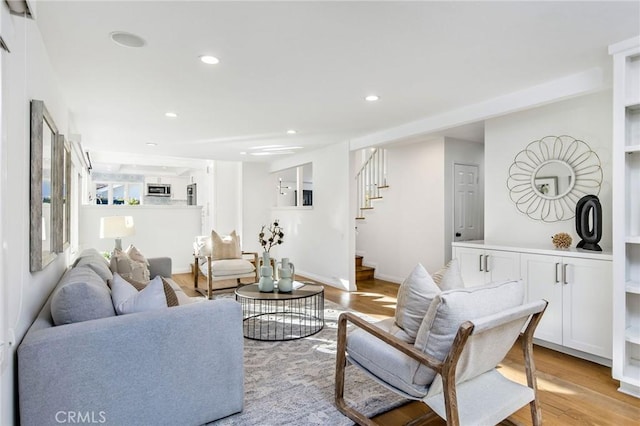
(116, 226)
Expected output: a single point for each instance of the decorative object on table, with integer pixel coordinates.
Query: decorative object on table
(561, 240)
(272, 236)
(548, 177)
(117, 227)
(286, 272)
(266, 279)
(589, 222)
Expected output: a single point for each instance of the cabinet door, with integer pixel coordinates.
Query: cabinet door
(471, 265)
(542, 276)
(588, 313)
(501, 265)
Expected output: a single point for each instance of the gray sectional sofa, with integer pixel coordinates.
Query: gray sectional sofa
(176, 366)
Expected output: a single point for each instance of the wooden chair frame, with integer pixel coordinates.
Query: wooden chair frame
(209, 259)
(446, 368)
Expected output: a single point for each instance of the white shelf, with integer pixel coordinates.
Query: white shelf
(633, 105)
(632, 239)
(632, 287)
(632, 335)
(632, 148)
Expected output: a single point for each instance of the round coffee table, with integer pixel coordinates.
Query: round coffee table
(281, 316)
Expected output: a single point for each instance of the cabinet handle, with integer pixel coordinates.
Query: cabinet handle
(557, 280)
(480, 265)
(564, 273)
(486, 263)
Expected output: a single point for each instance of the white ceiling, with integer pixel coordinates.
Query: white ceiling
(306, 66)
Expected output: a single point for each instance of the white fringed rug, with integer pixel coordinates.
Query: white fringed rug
(292, 382)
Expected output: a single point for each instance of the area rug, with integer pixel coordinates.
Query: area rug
(292, 382)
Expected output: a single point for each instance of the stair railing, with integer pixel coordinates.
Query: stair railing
(371, 177)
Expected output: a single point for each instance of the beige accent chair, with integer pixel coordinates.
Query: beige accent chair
(452, 364)
(238, 265)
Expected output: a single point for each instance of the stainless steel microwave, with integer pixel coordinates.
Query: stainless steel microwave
(159, 189)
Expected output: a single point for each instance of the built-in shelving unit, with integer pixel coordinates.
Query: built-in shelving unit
(626, 214)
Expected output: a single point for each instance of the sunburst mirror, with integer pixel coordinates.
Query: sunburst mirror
(551, 174)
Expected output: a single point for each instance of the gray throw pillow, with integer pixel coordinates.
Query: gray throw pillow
(80, 296)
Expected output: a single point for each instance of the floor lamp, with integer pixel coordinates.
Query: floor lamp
(117, 227)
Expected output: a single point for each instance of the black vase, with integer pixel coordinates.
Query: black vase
(589, 205)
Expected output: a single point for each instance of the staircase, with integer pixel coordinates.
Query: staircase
(371, 178)
(363, 273)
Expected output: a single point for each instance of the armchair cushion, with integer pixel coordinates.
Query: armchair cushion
(414, 297)
(228, 267)
(383, 361)
(227, 247)
(451, 308)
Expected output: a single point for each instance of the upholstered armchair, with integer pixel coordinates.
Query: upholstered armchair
(448, 358)
(221, 259)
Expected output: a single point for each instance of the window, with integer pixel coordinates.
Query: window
(118, 193)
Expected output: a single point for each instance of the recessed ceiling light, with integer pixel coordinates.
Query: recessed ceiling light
(282, 148)
(372, 98)
(243, 153)
(125, 39)
(171, 114)
(152, 144)
(291, 132)
(209, 60)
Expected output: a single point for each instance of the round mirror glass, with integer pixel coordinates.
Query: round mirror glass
(553, 179)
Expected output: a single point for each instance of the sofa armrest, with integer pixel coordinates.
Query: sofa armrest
(159, 266)
(182, 365)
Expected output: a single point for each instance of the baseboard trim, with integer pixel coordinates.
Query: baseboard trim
(389, 278)
(578, 354)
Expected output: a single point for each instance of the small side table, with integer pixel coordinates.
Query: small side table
(281, 316)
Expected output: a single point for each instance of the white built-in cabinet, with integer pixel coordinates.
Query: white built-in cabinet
(480, 266)
(626, 214)
(579, 315)
(576, 283)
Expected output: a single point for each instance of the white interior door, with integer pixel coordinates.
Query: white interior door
(466, 204)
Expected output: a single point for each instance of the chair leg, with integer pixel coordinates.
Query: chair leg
(341, 363)
(209, 279)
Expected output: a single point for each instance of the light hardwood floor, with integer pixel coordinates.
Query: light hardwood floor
(572, 391)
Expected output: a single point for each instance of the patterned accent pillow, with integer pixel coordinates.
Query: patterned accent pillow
(169, 292)
(129, 268)
(226, 247)
(449, 277)
(414, 297)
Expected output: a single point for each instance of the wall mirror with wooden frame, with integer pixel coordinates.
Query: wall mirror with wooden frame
(44, 198)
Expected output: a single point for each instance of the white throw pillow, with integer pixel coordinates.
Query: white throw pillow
(449, 277)
(127, 300)
(414, 297)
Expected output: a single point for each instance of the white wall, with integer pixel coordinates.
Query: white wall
(318, 240)
(227, 197)
(406, 225)
(257, 199)
(587, 118)
(460, 152)
(160, 231)
(26, 75)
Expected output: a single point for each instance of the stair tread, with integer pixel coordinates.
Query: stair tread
(364, 268)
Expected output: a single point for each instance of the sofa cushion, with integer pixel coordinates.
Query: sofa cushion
(97, 263)
(227, 247)
(81, 295)
(127, 299)
(451, 308)
(414, 297)
(169, 292)
(449, 277)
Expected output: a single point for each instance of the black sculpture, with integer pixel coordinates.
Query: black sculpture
(589, 205)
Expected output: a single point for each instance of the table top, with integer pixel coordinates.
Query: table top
(252, 292)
